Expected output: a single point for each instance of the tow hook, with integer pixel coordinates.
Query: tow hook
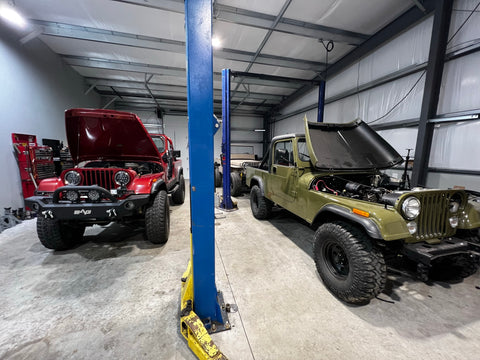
(111, 213)
(47, 214)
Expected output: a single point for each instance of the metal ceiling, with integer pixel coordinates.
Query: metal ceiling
(133, 51)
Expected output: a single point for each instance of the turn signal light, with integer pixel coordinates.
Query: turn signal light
(361, 212)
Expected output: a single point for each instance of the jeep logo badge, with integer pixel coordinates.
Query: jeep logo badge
(83, 211)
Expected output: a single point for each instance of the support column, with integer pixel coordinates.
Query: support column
(436, 57)
(321, 100)
(198, 23)
(227, 200)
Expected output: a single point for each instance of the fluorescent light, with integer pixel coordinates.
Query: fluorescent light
(12, 16)
(216, 42)
(259, 130)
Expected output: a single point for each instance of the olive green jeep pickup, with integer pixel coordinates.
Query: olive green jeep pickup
(331, 177)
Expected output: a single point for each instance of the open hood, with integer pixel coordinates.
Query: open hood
(352, 146)
(109, 135)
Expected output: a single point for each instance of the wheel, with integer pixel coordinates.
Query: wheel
(218, 177)
(157, 219)
(351, 267)
(58, 235)
(261, 207)
(178, 196)
(235, 184)
(466, 266)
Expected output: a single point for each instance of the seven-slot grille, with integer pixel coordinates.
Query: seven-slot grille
(433, 219)
(100, 177)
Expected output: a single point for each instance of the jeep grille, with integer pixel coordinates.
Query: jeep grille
(100, 177)
(433, 219)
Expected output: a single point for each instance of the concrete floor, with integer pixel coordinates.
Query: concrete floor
(117, 297)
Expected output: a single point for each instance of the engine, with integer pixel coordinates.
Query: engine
(373, 188)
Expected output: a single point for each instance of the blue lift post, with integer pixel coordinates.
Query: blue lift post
(227, 203)
(200, 309)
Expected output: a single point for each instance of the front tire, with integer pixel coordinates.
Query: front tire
(261, 206)
(348, 262)
(58, 235)
(157, 219)
(235, 184)
(178, 196)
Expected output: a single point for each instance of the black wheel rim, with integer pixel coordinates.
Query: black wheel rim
(336, 260)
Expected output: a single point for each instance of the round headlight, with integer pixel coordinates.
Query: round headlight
(122, 178)
(411, 208)
(72, 178)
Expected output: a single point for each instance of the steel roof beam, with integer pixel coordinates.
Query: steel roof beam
(177, 6)
(260, 20)
(146, 98)
(290, 26)
(148, 42)
(142, 68)
(130, 84)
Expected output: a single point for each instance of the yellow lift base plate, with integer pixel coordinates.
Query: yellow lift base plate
(192, 327)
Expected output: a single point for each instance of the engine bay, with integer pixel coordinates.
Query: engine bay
(140, 167)
(368, 187)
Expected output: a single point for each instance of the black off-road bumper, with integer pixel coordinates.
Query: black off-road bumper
(110, 208)
(425, 253)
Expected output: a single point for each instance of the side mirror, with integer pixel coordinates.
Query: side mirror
(176, 153)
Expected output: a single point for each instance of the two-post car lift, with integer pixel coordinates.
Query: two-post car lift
(202, 308)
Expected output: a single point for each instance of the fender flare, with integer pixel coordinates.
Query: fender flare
(157, 186)
(258, 180)
(367, 224)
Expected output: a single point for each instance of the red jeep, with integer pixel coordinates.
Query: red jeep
(122, 173)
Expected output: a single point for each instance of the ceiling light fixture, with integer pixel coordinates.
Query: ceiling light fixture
(12, 16)
(216, 42)
(259, 130)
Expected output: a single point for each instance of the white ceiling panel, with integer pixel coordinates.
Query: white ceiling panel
(169, 80)
(92, 49)
(109, 74)
(238, 37)
(274, 90)
(295, 46)
(219, 64)
(361, 16)
(281, 71)
(271, 7)
(108, 15)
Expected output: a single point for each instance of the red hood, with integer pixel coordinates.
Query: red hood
(108, 134)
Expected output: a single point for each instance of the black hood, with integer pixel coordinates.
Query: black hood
(352, 146)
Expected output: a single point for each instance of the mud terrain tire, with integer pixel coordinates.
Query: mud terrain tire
(58, 235)
(235, 184)
(348, 262)
(157, 219)
(178, 196)
(261, 207)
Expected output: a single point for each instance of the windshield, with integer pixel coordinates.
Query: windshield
(159, 143)
(303, 150)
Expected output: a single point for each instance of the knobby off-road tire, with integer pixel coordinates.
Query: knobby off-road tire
(178, 196)
(157, 219)
(261, 207)
(58, 235)
(235, 184)
(348, 262)
(218, 177)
